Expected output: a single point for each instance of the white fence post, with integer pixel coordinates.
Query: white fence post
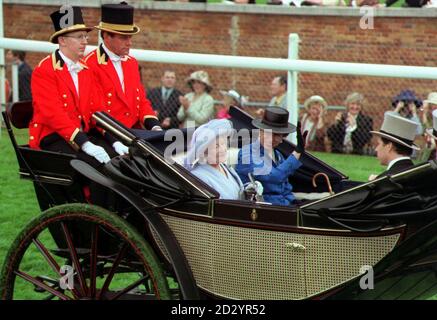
(15, 83)
(292, 83)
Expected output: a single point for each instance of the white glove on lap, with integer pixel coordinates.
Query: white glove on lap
(259, 188)
(120, 148)
(95, 151)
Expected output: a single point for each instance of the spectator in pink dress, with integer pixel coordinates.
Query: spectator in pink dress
(230, 98)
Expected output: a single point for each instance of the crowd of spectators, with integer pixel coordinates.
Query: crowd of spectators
(331, 3)
(347, 132)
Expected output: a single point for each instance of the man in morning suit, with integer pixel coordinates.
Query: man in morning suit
(117, 72)
(395, 144)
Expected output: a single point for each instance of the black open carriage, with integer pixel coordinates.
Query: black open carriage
(168, 235)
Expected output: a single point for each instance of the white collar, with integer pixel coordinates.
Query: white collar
(71, 65)
(112, 55)
(391, 163)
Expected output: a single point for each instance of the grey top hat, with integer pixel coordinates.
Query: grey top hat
(433, 131)
(398, 130)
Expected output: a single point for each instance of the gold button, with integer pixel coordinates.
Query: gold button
(127, 114)
(109, 111)
(109, 103)
(35, 125)
(138, 107)
(80, 117)
(109, 94)
(138, 90)
(138, 98)
(64, 96)
(65, 105)
(31, 138)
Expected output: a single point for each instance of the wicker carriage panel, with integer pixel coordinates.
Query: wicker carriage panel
(243, 263)
(194, 238)
(331, 261)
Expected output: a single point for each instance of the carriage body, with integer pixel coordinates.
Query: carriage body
(237, 249)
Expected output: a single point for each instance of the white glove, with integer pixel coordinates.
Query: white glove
(157, 128)
(120, 148)
(95, 151)
(259, 188)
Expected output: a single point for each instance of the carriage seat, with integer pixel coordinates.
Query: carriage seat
(48, 166)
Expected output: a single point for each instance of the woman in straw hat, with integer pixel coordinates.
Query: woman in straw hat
(197, 107)
(313, 121)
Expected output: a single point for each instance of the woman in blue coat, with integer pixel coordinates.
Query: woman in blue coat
(267, 165)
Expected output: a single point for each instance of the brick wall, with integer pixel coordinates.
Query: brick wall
(394, 40)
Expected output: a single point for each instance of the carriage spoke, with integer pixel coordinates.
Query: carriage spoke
(93, 261)
(75, 258)
(114, 267)
(41, 284)
(129, 288)
(51, 261)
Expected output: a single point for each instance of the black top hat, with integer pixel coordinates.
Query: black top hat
(275, 119)
(69, 20)
(118, 18)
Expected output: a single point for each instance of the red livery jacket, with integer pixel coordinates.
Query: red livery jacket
(129, 107)
(56, 105)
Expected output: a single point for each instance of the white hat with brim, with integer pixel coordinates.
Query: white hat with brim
(314, 99)
(398, 130)
(233, 94)
(203, 137)
(432, 98)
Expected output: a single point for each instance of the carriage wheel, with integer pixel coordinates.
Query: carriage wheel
(78, 251)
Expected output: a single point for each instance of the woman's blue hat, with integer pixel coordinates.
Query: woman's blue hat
(407, 95)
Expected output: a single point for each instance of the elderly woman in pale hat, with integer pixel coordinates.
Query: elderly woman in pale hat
(351, 130)
(313, 121)
(206, 157)
(197, 107)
